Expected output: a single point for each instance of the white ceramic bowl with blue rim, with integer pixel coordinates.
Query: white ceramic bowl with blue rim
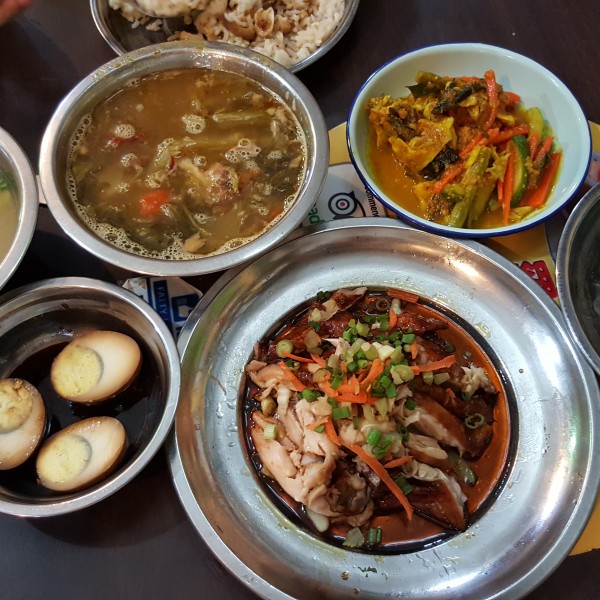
(516, 73)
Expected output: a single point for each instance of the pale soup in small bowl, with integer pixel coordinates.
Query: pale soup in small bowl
(18, 205)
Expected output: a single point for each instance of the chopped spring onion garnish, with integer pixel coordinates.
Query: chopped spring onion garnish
(355, 422)
(408, 338)
(316, 326)
(410, 404)
(428, 377)
(374, 536)
(340, 412)
(352, 367)
(321, 375)
(270, 431)
(332, 402)
(309, 395)
(284, 347)
(440, 378)
(475, 420)
(268, 406)
(373, 437)
(323, 296)
(382, 406)
(354, 539)
(403, 484)
(381, 450)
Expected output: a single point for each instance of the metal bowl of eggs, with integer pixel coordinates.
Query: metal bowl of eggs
(184, 158)
(89, 383)
(18, 205)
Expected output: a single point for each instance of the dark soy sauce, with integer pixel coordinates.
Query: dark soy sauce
(136, 407)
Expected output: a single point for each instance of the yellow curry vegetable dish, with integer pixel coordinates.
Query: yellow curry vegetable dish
(464, 152)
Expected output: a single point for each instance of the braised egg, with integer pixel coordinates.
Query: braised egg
(81, 454)
(22, 421)
(95, 366)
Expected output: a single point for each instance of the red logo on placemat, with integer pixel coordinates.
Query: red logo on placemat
(539, 271)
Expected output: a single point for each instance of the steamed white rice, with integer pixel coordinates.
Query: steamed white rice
(287, 31)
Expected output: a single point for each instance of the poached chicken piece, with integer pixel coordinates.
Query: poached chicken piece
(363, 407)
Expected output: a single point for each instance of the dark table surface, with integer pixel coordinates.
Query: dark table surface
(139, 543)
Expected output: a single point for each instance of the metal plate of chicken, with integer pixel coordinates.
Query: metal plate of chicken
(551, 478)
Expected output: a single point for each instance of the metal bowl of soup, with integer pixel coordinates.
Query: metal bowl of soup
(18, 205)
(37, 322)
(217, 148)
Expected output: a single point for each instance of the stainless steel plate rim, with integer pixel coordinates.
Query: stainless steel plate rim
(552, 480)
(100, 14)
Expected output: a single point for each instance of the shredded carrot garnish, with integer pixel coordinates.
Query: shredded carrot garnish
(403, 295)
(450, 174)
(375, 371)
(534, 142)
(477, 140)
(544, 148)
(318, 360)
(414, 349)
(332, 433)
(360, 398)
(297, 385)
(326, 387)
(398, 462)
(352, 386)
(296, 358)
(507, 134)
(380, 471)
(443, 363)
(392, 319)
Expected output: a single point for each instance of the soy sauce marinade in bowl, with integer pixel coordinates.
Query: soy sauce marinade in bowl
(376, 420)
(469, 140)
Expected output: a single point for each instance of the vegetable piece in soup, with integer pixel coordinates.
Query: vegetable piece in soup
(186, 163)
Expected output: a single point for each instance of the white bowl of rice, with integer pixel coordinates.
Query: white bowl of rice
(294, 36)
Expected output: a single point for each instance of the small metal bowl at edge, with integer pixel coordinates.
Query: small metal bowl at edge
(578, 275)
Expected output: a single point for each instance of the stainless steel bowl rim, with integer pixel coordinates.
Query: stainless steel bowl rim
(28, 201)
(350, 7)
(460, 232)
(178, 55)
(565, 272)
(63, 289)
(553, 478)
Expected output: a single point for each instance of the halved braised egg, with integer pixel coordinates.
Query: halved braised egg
(95, 366)
(22, 421)
(81, 454)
